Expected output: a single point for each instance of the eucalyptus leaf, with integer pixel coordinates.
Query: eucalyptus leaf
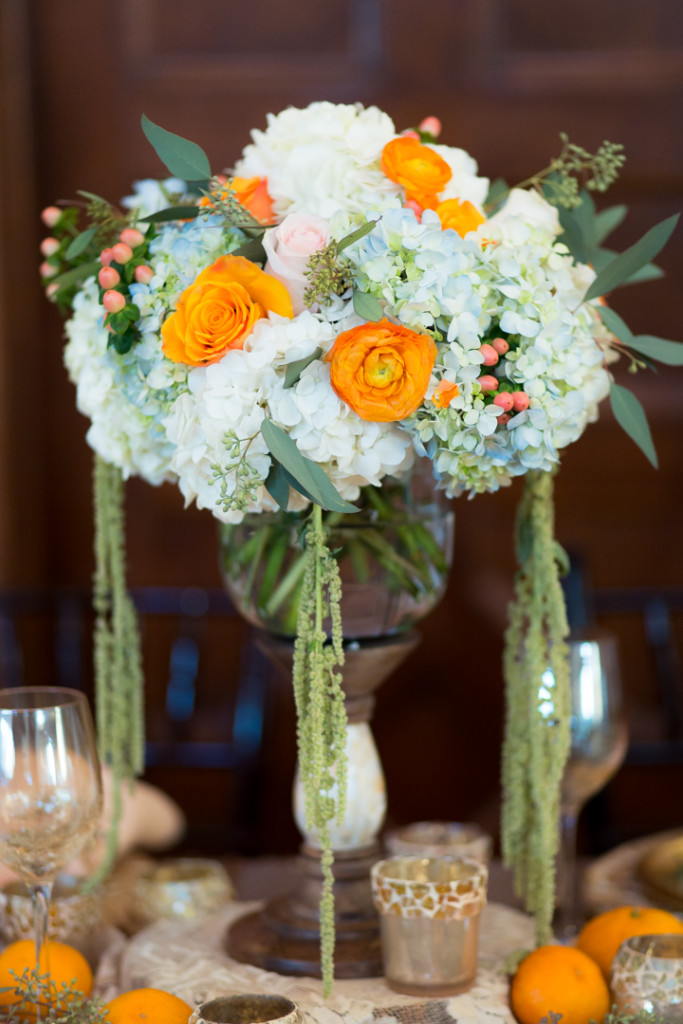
(277, 485)
(295, 369)
(624, 266)
(79, 244)
(650, 272)
(497, 193)
(184, 159)
(356, 235)
(367, 306)
(92, 196)
(76, 274)
(608, 220)
(307, 476)
(573, 235)
(252, 250)
(630, 415)
(615, 324)
(664, 351)
(172, 213)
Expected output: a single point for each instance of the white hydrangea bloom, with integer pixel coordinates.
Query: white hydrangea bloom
(120, 432)
(323, 159)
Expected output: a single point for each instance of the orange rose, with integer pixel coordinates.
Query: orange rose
(460, 216)
(381, 370)
(421, 171)
(253, 194)
(219, 309)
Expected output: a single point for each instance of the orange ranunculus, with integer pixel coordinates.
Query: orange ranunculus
(445, 391)
(462, 217)
(381, 370)
(421, 171)
(253, 194)
(219, 309)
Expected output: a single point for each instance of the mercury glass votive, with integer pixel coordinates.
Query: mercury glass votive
(74, 910)
(440, 839)
(184, 887)
(247, 1009)
(429, 911)
(647, 976)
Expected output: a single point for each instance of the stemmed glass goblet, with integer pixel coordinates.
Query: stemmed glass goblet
(599, 739)
(50, 789)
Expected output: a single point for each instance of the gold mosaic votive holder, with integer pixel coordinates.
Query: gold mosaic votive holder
(73, 913)
(647, 977)
(440, 839)
(183, 887)
(247, 1009)
(429, 911)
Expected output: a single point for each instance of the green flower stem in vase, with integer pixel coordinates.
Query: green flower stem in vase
(335, 596)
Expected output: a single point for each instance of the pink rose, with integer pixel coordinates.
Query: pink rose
(289, 247)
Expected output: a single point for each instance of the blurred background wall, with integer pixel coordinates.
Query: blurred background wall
(505, 77)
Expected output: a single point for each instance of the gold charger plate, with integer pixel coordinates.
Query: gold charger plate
(662, 868)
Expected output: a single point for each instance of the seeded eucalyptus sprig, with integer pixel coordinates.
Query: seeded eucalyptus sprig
(328, 272)
(65, 1005)
(574, 168)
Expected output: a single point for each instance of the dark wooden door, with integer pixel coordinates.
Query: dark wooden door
(505, 76)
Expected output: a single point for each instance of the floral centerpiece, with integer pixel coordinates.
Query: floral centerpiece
(297, 333)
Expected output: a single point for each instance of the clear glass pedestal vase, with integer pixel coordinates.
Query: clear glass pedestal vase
(394, 558)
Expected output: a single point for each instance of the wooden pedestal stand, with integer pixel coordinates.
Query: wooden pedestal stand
(285, 936)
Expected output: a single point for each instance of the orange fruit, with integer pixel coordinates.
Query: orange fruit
(148, 1005)
(67, 967)
(559, 979)
(601, 937)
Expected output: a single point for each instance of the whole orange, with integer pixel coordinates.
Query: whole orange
(561, 980)
(148, 1005)
(601, 937)
(66, 966)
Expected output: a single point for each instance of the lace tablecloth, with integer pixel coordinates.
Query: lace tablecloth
(187, 959)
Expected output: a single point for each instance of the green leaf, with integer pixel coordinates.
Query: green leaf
(277, 485)
(172, 213)
(356, 235)
(573, 235)
(624, 266)
(183, 158)
(307, 476)
(497, 193)
(669, 352)
(607, 221)
(252, 250)
(295, 369)
(367, 306)
(615, 324)
(79, 244)
(630, 415)
(76, 274)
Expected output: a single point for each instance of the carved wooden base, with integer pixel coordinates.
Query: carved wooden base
(285, 936)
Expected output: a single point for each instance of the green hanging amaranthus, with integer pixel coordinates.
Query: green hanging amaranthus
(119, 692)
(321, 715)
(537, 736)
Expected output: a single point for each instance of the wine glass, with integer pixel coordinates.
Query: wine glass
(599, 739)
(50, 789)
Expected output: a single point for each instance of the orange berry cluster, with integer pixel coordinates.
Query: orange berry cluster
(501, 391)
(123, 263)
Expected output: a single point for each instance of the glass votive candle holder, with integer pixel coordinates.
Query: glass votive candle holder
(184, 887)
(647, 977)
(74, 911)
(440, 839)
(429, 911)
(247, 1009)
